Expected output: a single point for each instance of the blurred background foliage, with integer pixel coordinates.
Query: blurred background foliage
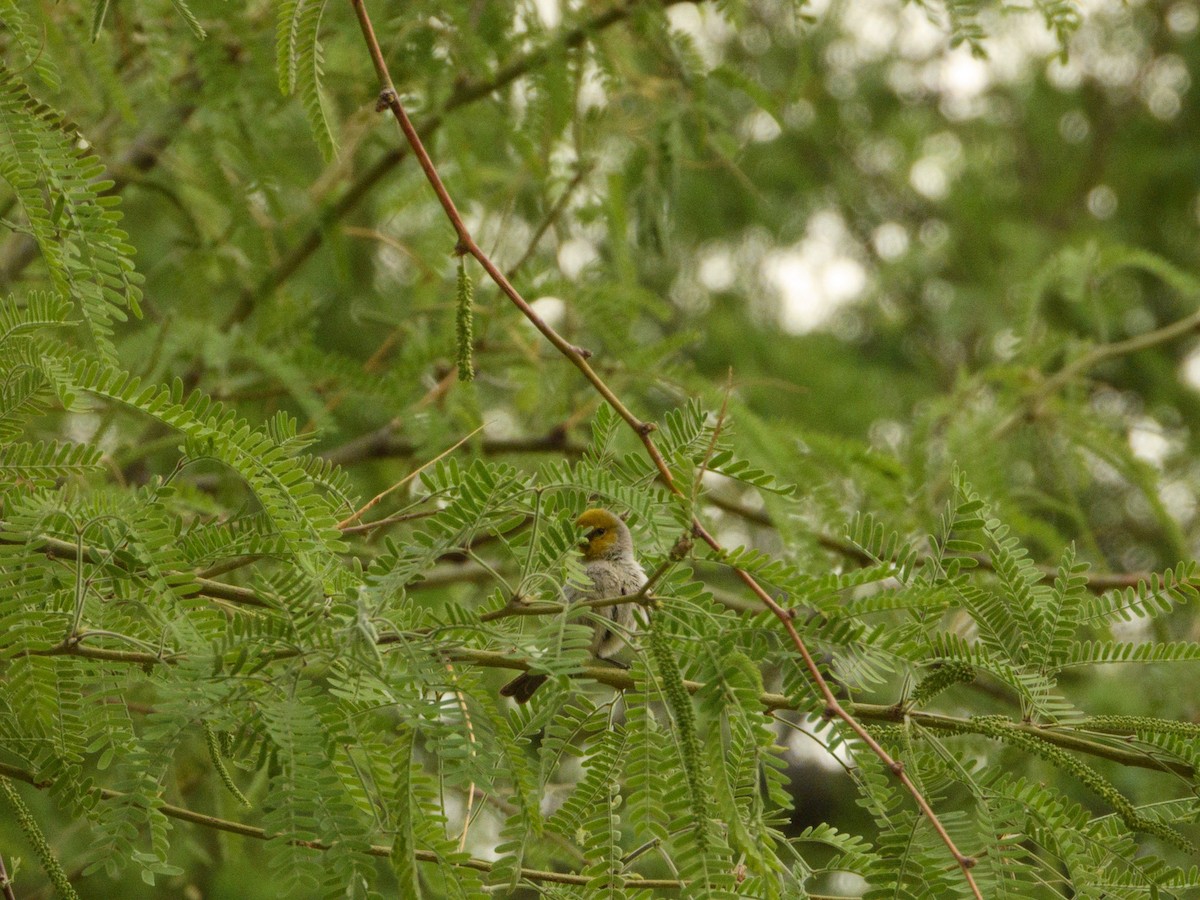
(894, 234)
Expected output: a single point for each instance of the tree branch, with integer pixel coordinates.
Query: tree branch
(382, 443)
(1096, 582)
(5, 882)
(259, 834)
(1057, 735)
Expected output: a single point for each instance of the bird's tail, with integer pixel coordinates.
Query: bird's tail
(522, 687)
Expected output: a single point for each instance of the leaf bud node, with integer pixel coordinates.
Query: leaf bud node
(387, 97)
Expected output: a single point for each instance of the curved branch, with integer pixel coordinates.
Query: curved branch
(6, 882)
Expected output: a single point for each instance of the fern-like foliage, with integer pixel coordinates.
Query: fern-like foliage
(18, 24)
(305, 519)
(44, 160)
(299, 62)
(245, 586)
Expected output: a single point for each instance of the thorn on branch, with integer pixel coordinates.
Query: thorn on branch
(682, 548)
(968, 862)
(829, 712)
(645, 428)
(387, 97)
(897, 768)
(583, 352)
(461, 248)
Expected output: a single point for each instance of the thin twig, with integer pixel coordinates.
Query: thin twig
(577, 356)
(551, 217)
(461, 698)
(712, 443)
(350, 520)
(1072, 370)
(390, 520)
(382, 443)
(5, 883)
(1096, 582)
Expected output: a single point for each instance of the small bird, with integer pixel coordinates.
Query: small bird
(614, 572)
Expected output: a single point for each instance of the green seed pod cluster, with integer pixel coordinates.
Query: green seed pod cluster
(214, 752)
(33, 834)
(464, 322)
(1141, 725)
(1003, 730)
(942, 677)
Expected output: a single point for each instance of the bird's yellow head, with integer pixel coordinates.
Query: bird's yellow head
(605, 535)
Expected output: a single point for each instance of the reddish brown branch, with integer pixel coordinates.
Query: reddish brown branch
(464, 94)
(578, 357)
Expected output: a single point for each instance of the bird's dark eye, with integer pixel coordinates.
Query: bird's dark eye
(594, 533)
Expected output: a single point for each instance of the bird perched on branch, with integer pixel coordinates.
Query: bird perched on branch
(613, 571)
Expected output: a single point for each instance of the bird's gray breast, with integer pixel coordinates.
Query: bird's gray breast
(610, 578)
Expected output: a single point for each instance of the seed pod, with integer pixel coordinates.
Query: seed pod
(464, 322)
